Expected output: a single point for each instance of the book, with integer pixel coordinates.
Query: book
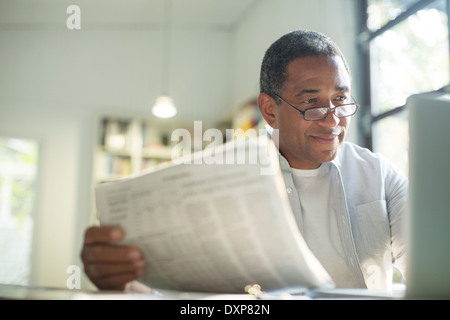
(214, 221)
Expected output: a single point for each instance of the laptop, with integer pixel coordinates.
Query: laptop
(429, 196)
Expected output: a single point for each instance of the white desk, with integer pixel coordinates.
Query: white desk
(17, 292)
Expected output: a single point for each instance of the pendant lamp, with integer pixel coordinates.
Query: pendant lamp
(164, 105)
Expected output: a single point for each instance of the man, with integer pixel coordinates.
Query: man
(349, 203)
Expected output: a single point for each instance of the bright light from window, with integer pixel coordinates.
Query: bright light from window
(409, 58)
(18, 171)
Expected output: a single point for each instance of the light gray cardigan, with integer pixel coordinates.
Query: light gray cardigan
(369, 197)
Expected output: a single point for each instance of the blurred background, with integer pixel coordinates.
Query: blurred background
(78, 86)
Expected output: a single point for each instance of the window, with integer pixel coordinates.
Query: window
(406, 51)
(18, 171)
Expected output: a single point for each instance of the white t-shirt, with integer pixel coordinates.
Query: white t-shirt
(319, 220)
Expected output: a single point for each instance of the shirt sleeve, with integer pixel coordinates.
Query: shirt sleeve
(396, 188)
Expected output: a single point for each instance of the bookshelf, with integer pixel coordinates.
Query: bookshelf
(127, 146)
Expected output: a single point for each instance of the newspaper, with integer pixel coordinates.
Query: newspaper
(209, 224)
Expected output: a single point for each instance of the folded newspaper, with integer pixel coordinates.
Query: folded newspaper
(214, 221)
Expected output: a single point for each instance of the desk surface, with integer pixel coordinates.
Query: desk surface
(17, 292)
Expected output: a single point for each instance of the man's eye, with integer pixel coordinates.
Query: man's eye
(341, 100)
(310, 100)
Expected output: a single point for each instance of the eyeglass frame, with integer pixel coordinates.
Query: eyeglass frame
(328, 109)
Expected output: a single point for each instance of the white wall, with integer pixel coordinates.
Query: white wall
(55, 83)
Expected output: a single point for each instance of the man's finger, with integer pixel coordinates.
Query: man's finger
(103, 234)
(105, 270)
(116, 282)
(109, 253)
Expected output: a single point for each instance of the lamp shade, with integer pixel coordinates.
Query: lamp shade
(164, 107)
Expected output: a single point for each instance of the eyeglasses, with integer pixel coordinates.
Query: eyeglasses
(318, 113)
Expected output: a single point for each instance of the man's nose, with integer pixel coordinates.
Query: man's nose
(331, 119)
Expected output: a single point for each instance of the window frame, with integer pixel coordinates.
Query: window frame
(368, 119)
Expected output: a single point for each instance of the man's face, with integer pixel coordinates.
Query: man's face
(311, 81)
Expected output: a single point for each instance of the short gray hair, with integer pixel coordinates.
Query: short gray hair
(296, 44)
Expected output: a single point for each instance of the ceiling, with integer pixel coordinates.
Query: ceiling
(207, 13)
(219, 15)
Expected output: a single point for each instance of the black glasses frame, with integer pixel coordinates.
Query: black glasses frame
(328, 109)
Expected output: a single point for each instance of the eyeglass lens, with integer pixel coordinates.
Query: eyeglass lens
(340, 111)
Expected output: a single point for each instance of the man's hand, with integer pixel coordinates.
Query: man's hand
(107, 264)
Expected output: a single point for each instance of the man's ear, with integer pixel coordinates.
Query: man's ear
(267, 105)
